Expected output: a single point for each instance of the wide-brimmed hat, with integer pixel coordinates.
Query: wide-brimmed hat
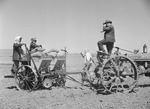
(33, 39)
(107, 21)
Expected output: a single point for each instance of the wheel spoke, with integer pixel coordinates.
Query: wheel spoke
(110, 82)
(31, 77)
(123, 89)
(124, 82)
(31, 82)
(27, 85)
(29, 74)
(20, 77)
(111, 87)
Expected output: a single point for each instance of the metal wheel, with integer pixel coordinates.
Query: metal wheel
(47, 83)
(119, 74)
(25, 78)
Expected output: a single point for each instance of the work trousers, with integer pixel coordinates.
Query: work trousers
(109, 46)
(15, 66)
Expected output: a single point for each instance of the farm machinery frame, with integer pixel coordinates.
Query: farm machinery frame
(29, 77)
(112, 74)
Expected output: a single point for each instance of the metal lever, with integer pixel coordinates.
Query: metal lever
(64, 50)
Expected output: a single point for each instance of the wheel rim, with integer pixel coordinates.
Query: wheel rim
(47, 83)
(25, 78)
(119, 74)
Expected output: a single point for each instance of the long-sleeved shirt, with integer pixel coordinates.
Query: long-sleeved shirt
(87, 58)
(17, 51)
(33, 46)
(109, 34)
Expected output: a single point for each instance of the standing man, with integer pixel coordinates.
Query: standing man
(87, 59)
(17, 52)
(109, 37)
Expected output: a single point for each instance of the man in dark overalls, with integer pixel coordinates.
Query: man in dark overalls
(17, 53)
(109, 37)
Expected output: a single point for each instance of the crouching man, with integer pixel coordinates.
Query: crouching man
(87, 69)
(87, 59)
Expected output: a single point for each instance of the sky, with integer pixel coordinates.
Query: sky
(74, 24)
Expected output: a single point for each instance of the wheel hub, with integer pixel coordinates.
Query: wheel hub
(47, 82)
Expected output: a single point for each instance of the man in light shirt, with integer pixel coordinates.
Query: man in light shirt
(87, 59)
(88, 73)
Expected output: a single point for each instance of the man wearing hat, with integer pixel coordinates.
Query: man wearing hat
(33, 44)
(109, 37)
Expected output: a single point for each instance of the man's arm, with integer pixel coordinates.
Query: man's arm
(35, 45)
(18, 45)
(82, 55)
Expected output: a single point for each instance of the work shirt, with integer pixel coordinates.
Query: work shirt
(88, 58)
(109, 34)
(33, 46)
(17, 51)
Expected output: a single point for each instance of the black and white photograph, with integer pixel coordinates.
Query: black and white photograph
(74, 54)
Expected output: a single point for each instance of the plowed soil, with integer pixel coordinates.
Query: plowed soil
(74, 96)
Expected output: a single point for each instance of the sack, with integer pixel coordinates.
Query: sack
(52, 54)
(52, 50)
(38, 54)
(61, 54)
(37, 49)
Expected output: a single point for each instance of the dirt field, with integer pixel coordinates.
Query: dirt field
(74, 96)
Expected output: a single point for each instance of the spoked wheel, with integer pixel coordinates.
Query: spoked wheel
(25, 78)
(119, 74)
